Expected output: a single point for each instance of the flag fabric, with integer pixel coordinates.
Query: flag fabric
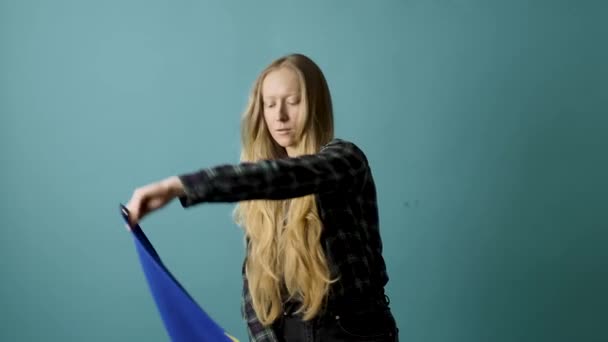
(184, 319)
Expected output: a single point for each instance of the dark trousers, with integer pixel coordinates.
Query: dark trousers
(369, 324)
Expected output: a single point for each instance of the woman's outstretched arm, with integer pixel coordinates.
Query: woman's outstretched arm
(340, 166)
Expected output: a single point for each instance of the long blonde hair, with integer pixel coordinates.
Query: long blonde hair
(284, 251)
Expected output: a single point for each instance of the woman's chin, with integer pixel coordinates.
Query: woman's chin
(284, 142)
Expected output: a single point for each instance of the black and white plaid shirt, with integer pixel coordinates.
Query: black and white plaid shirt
(345, 193)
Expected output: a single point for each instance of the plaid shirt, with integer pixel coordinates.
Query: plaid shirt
(341, 180)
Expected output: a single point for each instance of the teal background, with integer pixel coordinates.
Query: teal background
(485, 122)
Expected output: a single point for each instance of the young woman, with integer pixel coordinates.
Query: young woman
(314, 269)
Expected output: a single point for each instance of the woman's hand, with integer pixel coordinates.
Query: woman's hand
(152, 197)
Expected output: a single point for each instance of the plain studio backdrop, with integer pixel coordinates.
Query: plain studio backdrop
(485, 123)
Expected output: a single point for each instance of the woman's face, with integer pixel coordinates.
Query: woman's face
(281, 97)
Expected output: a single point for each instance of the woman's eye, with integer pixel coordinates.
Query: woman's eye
(269, 105)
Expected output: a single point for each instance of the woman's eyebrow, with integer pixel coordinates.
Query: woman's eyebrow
(272, 97)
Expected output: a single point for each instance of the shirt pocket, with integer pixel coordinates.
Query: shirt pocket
(366, 326)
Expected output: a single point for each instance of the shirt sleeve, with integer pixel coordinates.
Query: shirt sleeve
(339, 166)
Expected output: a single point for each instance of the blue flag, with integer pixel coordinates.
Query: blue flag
(184, 319)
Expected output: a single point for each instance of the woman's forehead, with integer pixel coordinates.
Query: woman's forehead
(281, 82)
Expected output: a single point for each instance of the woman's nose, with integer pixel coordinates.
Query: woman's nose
(282, 113)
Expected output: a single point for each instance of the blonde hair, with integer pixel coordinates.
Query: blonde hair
(286, 255)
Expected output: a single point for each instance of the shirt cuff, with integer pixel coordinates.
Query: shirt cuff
(196, 188)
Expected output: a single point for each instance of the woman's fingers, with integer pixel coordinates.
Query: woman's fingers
(147, 199)
(136, 205)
